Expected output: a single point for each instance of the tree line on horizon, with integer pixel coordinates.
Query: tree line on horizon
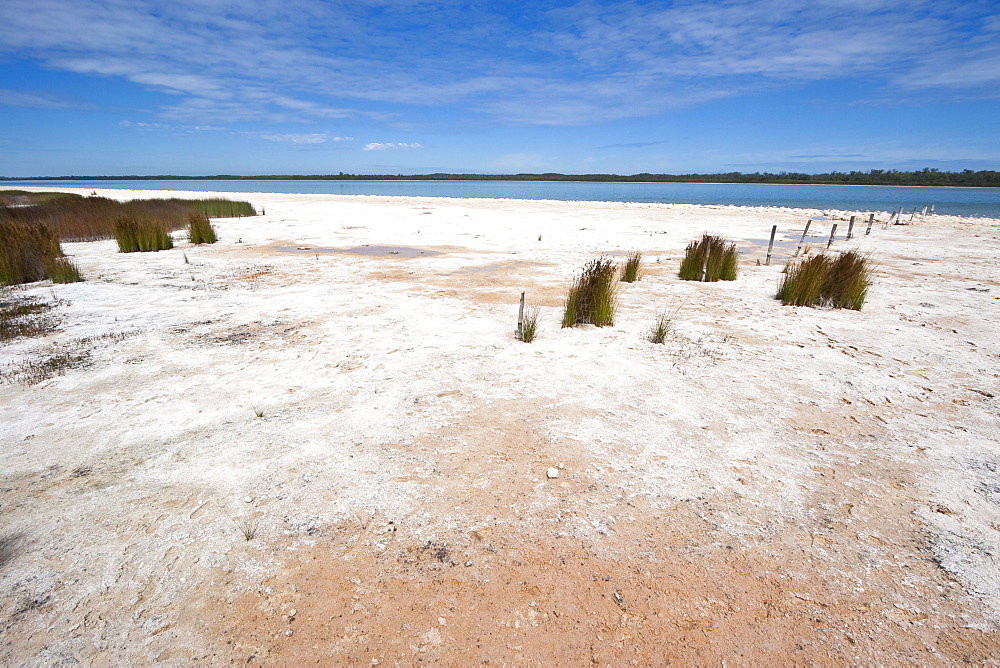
(874, 177)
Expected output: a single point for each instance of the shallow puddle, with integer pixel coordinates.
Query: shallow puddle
(378, 251)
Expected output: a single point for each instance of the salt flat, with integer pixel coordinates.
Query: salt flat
(770, 484)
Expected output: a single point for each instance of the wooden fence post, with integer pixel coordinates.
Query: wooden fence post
(520, 319)
(833, 233)
(804, 233)
(871, 219)
(850, 229)
(774, 228)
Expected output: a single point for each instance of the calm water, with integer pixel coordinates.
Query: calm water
(954, 201)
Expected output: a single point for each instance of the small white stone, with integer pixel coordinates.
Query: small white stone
(248, 499)
(553, 472)
(560, 466)
(442, 621)
(289, 632)
(291, 613)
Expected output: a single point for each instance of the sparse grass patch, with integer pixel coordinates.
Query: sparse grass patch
(710, 259)
(248, 528)
(662, 325)
(529, 324)
(630, 270)
(200, 230)
(24, 316)
(593, 297)
(821, 280)
(43, 367)
(138, 233)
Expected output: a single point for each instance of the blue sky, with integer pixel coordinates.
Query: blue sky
(399, 86)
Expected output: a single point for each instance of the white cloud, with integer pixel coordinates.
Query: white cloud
(390, 146)
(307, 138)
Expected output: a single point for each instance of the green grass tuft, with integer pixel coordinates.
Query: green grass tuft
(662, 326)
(630, 270)
(64, 270)
(593, 297)
(821, 280)
(529, 324)
(200, 230)
(710, 259)
(141, 234)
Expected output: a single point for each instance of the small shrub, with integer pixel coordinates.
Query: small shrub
(529, 324)
(200, 230)
(140, 234)
(710, 259)
(593, 297)
(64, 270)
(840, 282)
(630, 270)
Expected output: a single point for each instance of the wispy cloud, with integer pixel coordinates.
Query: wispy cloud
(305, 138)
(306, 61)
(637, 144)
(390, 146)
(36, 100)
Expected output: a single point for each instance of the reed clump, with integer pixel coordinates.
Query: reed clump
(593, 297)
(822, 280)
(710, 259)
(64, 270)
(141, 234)
(27, 251)
(76, 218)
(200, 230)
(631, 268)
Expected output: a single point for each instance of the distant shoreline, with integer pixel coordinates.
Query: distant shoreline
(927, 178)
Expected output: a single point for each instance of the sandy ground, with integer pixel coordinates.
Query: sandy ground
(771, 485)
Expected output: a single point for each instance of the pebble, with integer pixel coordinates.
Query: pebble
(248, 499)
(291, 613)
(553, 472)
(289, 632)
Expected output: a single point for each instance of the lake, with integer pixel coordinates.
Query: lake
(950, 201)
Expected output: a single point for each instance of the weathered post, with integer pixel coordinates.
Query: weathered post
(932, 208)
(774, 228)
(871, 220)
(923, 211)
(833, 233)
(850, 228)
(804, 233)
(520, 319)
